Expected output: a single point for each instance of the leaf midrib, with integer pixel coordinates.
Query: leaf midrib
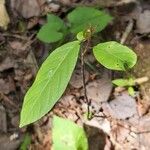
(51, 77)
(85, 22)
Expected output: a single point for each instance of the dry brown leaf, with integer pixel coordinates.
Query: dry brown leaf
(122, 107)
(7, 63)
(27, 8)
(6, 86)
(99, 90)
(143, 22)
(7, 144)
(110, 3)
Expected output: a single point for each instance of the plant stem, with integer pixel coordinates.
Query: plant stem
(83, 51)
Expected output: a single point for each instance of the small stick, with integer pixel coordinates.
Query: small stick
(127, 31)
(141, 80)
(15, 36)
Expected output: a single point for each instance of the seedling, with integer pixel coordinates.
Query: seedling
(130, 83)
(127, 83)
(55, 72)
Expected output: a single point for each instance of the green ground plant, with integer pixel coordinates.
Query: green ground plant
(55, 72)
(128, 83)
(67, 135)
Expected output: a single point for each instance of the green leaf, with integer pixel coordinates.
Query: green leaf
(49, 35)
(115, 56)
(82, 18)
(131, 91)
(52, 31)
(50, 83)
(56, 22)
(80, 37)
(68, 136)
(124, 82)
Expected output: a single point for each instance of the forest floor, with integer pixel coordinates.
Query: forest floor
(120, 121)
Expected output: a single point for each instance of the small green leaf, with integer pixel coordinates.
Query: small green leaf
(68, 136)
(52, 31)
(124, 82)
(131, 91)
(55, 21)
(50, 83)
(115, 56)
(80, 36)
(82, 18)
(49, 35)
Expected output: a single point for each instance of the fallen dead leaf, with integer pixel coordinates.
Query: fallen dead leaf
(7, 144)
(122, 107)
(110, 3)
(97, 138)
(6, 86)
(143, 107)
(144, 124)
(67, 2)
(53, 7)
(7, 63)
(100, 123)
(99, 90)
(143, 22)
(18, 48)
(27, 8)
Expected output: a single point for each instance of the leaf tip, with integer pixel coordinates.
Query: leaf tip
(22, 123)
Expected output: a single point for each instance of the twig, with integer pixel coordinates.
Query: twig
(15, 36)
(127, 31)
(141, 80)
